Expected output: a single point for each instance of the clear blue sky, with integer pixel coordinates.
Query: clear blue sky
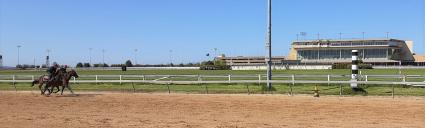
(190, 28)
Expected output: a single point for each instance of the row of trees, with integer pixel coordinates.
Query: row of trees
(128, 63)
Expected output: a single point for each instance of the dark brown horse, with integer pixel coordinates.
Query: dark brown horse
(62, 81)
(42, 80)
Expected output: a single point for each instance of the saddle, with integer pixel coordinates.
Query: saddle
(45, 78)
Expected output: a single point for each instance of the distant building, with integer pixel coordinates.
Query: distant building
(249, 60)
(1, 61)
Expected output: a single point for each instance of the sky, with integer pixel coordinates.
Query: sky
(183, 31)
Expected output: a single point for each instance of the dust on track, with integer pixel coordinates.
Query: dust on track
(115, 109)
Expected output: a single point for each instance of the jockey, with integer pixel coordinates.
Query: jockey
(63, 68)
(51, 71)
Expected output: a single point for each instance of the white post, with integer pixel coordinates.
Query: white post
(74, 80)
(229, 78)
(13, 79)
(96, 79)
(329, 79)
(366, 78)
(259, 79)
(293, 79)
(120, 79)
(32, 77)
(143, 78)
(404, 78)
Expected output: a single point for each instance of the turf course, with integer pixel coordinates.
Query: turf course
(255, 88)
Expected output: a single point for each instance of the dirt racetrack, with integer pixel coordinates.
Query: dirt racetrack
(106, 109)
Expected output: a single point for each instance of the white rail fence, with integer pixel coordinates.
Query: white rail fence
(292, 80)
(199, 79)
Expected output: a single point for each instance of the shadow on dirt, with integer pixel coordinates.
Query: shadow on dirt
(76, 95)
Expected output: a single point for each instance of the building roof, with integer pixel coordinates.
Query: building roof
(347, 40)
(419, 58)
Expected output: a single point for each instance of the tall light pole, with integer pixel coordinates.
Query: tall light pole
(388, 35)
(48, 58)
(171, 57)
(103, 58)
(19, 46)
(135, 56)
(90, 49)
(269, 46)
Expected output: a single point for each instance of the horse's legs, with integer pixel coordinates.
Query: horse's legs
(57, 87)
(39, 86)
(63, 88)
(46, 88)
(69, 88)
(51, 89)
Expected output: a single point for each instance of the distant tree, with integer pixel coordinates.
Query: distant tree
(105, 65)
(79, 65)
(86, 65)
(128, 63)
(181, 65)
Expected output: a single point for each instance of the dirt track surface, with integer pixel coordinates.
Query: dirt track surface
(29, 109)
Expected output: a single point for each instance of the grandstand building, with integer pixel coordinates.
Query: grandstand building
(327, 52)
(339, 51)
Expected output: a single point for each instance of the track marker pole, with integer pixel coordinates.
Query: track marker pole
(392, 93)
(168, 86)
(247, 88)
(134, 89)
(14, 83)
(340, 90)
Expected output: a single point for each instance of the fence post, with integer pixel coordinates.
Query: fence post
(340, 90)
(404, 78)
(366, 78)
(143, 78)
(259, 79)
(290, 86)
(229, 78)
(329, 79)
(74, 80)
(32, 77)
(293, 79)
(120, 79)
(13, 79)
(392, 91)
(96, 79)
(14, 83)
(293, 84)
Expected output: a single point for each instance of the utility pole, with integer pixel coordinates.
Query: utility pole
(340, 36)
(269, 46)
(135, 56)
(19, 46)
(103, 58)
(171, 57)
(90, 49)
(388, 33)
(48, 58)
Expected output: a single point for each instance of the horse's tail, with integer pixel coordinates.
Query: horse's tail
(34, 82)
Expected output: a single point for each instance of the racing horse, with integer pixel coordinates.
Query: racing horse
(62, 81)
(42, 80)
